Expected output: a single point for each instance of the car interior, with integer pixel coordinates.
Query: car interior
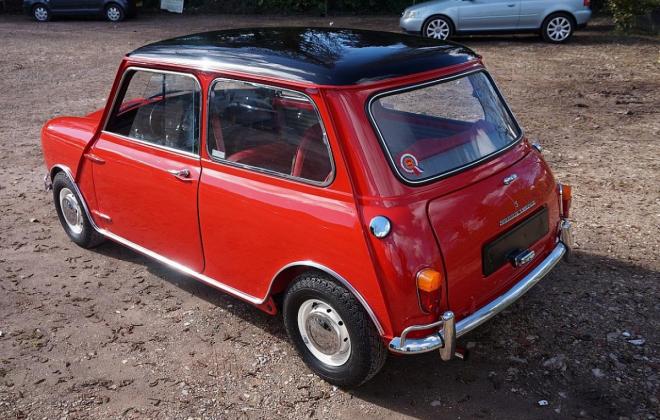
(268, 129)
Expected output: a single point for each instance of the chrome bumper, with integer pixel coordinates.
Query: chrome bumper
(449, 330)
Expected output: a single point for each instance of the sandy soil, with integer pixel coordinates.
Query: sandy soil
(108, 334)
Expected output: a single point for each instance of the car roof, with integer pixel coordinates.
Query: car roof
(321, 56)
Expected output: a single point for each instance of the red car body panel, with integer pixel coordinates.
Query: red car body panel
(253, 232)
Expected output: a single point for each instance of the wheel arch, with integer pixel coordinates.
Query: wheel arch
(437, 15)
(559, 12)
(288, 273)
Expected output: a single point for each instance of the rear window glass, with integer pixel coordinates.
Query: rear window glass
(437, 129)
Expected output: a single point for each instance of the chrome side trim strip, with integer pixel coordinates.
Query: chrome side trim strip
(210, 281)
(443, 339)
(341, 279)
(182, 268)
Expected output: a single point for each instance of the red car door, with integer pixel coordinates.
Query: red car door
(147, 167)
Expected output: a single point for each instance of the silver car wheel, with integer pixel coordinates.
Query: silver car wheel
(40, 13)
(559, 29)
(113, 13)
(324, 332)
(438, 29)
(71, 210)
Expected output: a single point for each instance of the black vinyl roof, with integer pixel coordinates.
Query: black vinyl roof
(323, 56)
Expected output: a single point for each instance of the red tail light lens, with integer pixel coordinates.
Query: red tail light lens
(566, 196)
(587, 3)
(429, 289)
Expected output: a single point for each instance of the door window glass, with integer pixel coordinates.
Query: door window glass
(158, 108)
(274, 130)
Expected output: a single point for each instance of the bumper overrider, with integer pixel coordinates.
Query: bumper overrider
(449, 330)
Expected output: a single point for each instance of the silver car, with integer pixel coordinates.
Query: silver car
(556, 20)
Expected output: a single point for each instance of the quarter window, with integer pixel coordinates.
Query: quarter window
(274, 130)
(158, 108)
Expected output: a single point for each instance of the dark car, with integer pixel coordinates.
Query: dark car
(113, 10)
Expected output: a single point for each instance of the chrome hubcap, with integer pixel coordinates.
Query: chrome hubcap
(71, 210)
(113, 13)
(438, 29)
(559, 28)
(41, 13)
(324, 332)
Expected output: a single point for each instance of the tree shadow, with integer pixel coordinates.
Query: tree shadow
(504, 375)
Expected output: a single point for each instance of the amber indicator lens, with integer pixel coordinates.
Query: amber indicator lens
(429, 287)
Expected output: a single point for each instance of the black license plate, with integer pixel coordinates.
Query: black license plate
(497, 252)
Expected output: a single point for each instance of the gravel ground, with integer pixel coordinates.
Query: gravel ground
(109, 334)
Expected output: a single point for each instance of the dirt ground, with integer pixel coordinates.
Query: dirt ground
(109, 334)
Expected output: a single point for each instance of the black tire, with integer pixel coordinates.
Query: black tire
(556, 20)
(437, 26)
(87, 237)
(114, 12)
(41, 13)
(367, 351)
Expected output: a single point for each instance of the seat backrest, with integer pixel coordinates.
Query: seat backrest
(311, 160)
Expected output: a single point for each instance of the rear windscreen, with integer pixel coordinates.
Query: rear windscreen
(439, 128)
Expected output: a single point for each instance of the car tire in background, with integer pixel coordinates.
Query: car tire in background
(40, 13)
(114, 12)
(558, 28)
(331, 330)
(72, 214)
(438, 27)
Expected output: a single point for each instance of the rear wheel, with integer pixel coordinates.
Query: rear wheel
(557, 28)
(438, 27)
(40, 13)
(72, 214)
(331, 330)
(114, 13)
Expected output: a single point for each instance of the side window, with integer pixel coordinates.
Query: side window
(158, 108)
(271, 129)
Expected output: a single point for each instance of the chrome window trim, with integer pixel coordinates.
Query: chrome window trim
(263, 170)
(153, 145)
(208, 280)
(383, 143)
(157, 146)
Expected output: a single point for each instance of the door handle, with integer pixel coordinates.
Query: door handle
(511, 5)
(94, 158)
(182, 174)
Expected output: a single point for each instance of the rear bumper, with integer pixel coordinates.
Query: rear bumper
(449, 330)
(582, 17)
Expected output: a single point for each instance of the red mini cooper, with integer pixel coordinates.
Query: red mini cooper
(372, 186)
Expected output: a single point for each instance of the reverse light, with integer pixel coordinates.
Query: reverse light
(565, 198)
(429, 289)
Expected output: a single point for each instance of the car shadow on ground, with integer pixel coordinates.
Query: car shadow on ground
(505, 366)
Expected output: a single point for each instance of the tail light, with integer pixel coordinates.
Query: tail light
(587, 3)
(565, 197)
(429, 290)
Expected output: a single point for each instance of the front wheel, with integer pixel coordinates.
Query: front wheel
(71, 213)
(40, 13)
(437, 27)
(331, 331)
(557, 28)
(114, 13)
